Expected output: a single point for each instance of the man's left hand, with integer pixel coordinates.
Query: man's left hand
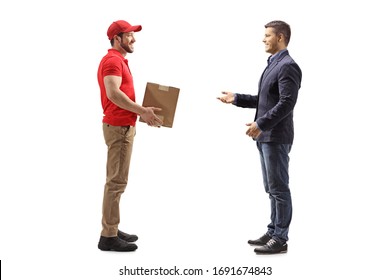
(253, 131)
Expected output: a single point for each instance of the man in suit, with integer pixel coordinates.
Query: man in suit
(273, 130)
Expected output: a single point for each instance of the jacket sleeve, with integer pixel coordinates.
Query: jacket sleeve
(289, 82)
(245, 100)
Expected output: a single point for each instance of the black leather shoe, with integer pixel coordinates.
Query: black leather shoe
(261, 241)
(115, 244)
(272, 247)
(127, 237)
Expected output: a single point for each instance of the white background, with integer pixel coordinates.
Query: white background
(195, 193)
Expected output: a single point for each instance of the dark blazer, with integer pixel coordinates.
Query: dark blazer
(277, 95)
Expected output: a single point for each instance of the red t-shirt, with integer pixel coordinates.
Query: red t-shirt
(114, 64)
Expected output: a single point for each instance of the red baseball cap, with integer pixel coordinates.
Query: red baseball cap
(120, 26)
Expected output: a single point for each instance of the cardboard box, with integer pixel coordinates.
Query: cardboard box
(164, 97)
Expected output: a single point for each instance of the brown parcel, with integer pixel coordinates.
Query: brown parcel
(164, 97)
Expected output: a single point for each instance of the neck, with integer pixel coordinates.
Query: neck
(120, 49)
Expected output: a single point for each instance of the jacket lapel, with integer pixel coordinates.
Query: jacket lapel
(269, 68)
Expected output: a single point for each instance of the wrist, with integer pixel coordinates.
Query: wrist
(141, 111)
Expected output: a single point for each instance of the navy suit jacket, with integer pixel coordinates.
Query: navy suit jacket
(277, 96)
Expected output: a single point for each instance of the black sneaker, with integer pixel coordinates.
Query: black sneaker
(261, 241)
(115, 244)
(127, 237)
(272, 247)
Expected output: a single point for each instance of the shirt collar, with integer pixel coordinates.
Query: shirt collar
(116, 52)
(276, 56)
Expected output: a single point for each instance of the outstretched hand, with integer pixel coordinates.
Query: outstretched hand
(227, 97)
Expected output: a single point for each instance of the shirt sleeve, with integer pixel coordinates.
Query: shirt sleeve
(112, 67)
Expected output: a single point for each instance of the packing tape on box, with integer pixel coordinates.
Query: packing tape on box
(163, 88)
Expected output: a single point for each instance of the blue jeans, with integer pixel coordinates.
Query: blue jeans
(274, 163)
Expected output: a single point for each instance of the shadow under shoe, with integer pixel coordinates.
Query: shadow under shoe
(115, 244)
(127, 237)
(260, 241)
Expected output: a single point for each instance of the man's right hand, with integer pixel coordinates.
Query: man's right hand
(150, 117)
(227, 97)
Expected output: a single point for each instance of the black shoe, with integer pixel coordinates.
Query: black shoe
(127, 237)
(115, 244)
(272, 247)
(261, 241)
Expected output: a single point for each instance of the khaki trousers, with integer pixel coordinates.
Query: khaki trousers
(119, 141)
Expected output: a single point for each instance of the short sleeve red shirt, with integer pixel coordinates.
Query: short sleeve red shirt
(114, 64)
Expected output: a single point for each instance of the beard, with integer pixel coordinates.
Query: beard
(126, 48)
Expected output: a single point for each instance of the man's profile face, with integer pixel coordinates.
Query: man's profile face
(271, 41)
(127, 41)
